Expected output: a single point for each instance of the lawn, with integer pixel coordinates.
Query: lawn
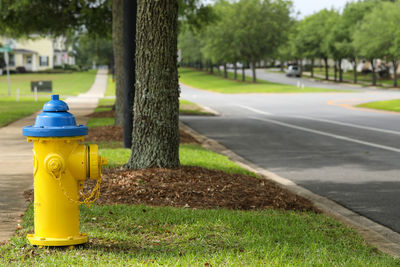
(11, 110)
(189, 108)
(110, 90)
(212, 82)
(390, 105)
(365, 79)
(130, 235)
(63, 83)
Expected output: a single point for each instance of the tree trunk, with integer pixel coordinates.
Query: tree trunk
(312, 68)
(117, 38)
(355, 70)
(156, 110)
(218, 69)
(326, 68)
(225, 72)
(340, 71)
(130, 9)
(212, 68)
(243, 73)
(373, 73)
(300, 63)
(281, 66)
(235, 71)
(395, 64)
(335, 69)
(253, 69)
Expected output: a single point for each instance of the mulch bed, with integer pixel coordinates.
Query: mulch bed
(196, 187)
(190, 187)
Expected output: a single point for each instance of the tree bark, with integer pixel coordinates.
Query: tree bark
(235, 71)
(326, 68)
(340, 71)
(355, 71)
(312, 68)
(335, 70)
(117, 38)
(212, 68)
(225, 72)
(156, 110)
(395, 64)
(129, 40)
(373, 73)
(218, 69)
(243, 73)
(253, 69)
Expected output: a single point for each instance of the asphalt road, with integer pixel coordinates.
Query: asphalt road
(317, 140)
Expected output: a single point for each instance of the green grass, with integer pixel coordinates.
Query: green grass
(110, 90)
(122, 235)
(206, 81)
(63, 83)
(96, 122)
(390, 105)
(349, 76)
(189, 108)
(189, 155)
(10, 110)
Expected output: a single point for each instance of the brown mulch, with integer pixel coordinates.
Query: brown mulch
(115, 133)
(196, 187)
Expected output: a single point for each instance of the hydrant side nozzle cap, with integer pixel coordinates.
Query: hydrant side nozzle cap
(55, 105)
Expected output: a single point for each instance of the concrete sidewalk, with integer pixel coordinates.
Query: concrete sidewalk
(16, 156)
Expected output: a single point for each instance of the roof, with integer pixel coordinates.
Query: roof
(23, 51)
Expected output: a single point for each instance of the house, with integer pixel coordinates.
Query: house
(38, 53)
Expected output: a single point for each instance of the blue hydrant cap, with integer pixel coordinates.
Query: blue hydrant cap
(55, 121)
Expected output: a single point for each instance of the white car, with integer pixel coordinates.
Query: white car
(293, 71)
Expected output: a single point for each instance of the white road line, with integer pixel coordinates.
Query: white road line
(340, 137)
(255, 110)
(350, 125)
(327, 121)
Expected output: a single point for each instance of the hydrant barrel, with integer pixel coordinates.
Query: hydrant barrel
(61, 166)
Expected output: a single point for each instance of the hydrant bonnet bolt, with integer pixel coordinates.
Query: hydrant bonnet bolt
(61, 165)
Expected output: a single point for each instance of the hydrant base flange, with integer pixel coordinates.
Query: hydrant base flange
(46, 241)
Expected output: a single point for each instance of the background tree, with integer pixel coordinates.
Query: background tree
(156, 107)
(117, 40)
(349, 22)
(55, 17)
(190, 47)
(89, 50)
(259, 28)
(312, 35)
(367, 40)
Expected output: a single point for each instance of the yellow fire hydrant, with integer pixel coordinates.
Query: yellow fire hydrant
(61, 166)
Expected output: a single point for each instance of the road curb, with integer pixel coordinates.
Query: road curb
(379, 236)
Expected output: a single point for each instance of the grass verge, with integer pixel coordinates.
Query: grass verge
(189, 108)
(63, 83)
(206, 81)
(390, 105)
(128, 235)
(11, 110)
